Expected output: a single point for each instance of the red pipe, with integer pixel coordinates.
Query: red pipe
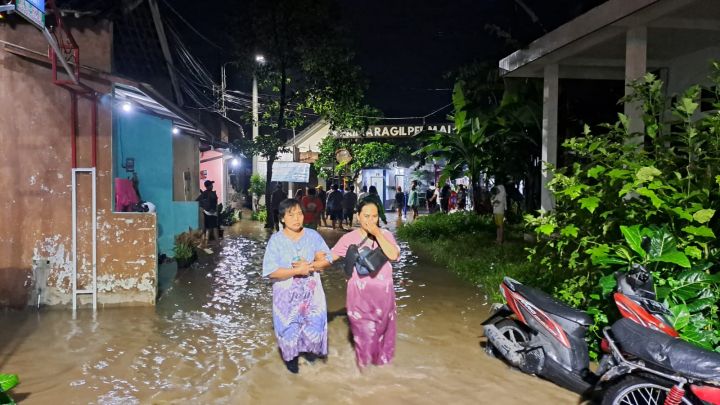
(73, 127)
(94, 130)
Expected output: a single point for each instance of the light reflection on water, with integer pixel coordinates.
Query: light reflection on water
(210, 340)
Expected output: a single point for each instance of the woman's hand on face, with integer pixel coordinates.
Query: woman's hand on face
(373, 229)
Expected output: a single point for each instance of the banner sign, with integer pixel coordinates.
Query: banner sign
(393, 131)
(293, 172)
(32, 10)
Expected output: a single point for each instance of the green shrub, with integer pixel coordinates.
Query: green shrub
(257, 185)
(182, 251)
(617, 191)
(464, 242)
(259, 215)
(439, 225)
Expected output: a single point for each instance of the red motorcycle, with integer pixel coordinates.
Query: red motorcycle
(652, 367)
(540, 335)
(646, 362)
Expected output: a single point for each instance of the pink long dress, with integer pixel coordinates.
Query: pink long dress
(370, 306)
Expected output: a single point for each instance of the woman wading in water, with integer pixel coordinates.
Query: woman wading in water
(293, 259)
(371, 299)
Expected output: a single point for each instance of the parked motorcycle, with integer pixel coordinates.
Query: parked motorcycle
(652, 367)
(542, 336)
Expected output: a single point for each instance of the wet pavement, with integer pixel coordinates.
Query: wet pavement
(209, 340)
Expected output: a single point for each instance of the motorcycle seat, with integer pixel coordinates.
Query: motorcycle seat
(666, 351)
(549, 304)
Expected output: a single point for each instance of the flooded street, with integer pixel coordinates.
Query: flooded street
(210, 341)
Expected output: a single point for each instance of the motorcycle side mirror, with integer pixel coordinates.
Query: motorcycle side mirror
(645, 244)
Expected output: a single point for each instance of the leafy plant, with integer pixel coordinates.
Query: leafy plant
(257, 186)
(259, 215)
(226, 216)
(439, 226)
(616, 191)
(183, 251)
(7, 382)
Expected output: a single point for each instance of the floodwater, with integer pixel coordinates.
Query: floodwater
(209, 340)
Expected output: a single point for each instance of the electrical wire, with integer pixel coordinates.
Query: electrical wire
(191, 27)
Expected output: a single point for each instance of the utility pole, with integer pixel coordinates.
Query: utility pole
(256, 121)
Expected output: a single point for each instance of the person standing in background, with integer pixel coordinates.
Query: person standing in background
(334, 206)
(350, 199)
(499, 203)
(413, 200)
(275, 199)
(322, 195)
(399, 202)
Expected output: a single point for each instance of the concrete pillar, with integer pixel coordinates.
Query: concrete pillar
(549, 131)
(635, 68)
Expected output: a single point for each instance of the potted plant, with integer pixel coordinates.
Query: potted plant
(184, 250)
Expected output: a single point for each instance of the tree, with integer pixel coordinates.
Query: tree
(309, 70)
(365, 154)
(465, 149)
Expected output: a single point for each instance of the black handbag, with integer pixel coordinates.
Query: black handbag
(366, 261)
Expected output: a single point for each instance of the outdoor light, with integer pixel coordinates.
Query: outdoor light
(260, 59)
(175, 130)
(235, 162)
(126, 106)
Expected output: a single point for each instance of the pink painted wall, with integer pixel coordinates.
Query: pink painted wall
(215, 172)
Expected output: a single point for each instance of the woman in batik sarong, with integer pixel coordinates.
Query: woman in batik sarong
(293, 259)
(371, 299)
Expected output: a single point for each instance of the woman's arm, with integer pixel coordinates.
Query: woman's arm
(390, 249)
(302, 269)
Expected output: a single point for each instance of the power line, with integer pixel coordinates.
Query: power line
(191, 27)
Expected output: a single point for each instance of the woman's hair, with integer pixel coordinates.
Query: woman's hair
(311, 191)
(285, 206)
(399, 188)
(373, 190)
(363, 203)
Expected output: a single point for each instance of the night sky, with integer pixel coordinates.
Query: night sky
(407, 47)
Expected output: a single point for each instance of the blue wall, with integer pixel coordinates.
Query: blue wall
(148, 139)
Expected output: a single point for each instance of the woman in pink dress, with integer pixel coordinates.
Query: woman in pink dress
(371, 299)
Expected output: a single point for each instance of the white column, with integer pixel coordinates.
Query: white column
(549, 131)
(256, 123)
(635, 68)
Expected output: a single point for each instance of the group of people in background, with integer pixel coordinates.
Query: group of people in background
(446, 199)
(320, 207)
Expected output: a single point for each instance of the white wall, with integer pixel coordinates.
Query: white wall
(691, 69)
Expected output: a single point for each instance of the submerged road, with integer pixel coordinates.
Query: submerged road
(209, 340)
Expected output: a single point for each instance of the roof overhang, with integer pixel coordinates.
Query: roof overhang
(592, 46)
(140, 93)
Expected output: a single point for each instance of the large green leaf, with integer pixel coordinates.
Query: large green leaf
(693, 251)
(661, 242)
(682, 213)
(546, 229)
(703, 231)
(8, 381)
(595, 171)
(656, 201)
(608, 284)
(648, 173)
(703, 216)
(680, 317)
(633, 237)
(675, 257)
(570, 230)
(590, 203)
